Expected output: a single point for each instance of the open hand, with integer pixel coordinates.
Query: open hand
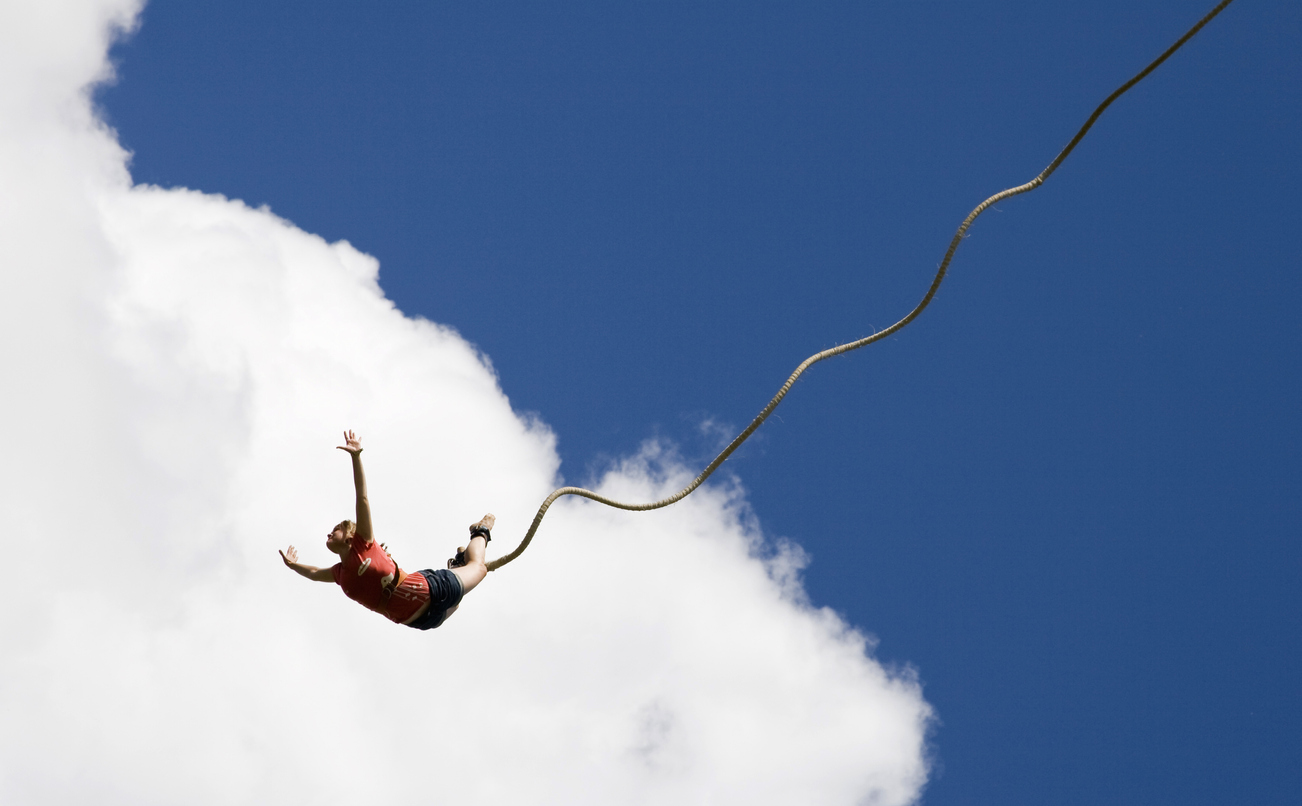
(290, 557)
(351, 443)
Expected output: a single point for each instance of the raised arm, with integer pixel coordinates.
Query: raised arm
(310, 571)
(353, 446)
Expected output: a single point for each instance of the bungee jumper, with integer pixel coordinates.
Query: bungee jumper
(424, 600)
(369, 576)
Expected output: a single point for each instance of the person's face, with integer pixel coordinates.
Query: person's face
(336, 542)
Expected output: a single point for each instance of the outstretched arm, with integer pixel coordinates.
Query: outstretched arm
(310, 571)
(353, 446)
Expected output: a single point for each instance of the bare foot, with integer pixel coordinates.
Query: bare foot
(486, 522)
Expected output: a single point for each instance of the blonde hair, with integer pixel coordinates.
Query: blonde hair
(349, 528)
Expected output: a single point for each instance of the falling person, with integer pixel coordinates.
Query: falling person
(369, 576)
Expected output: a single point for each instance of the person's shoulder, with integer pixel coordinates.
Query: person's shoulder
(337, 571)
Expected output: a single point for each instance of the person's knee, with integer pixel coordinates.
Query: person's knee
(471, 574)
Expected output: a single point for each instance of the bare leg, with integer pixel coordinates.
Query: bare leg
(474, 571)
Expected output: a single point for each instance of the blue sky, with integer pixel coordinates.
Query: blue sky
(1068, 494)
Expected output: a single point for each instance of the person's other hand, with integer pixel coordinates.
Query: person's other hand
(351, 443)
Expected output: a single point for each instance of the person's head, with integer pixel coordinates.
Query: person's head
(337, 540)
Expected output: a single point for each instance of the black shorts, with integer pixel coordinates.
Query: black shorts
(444, 594)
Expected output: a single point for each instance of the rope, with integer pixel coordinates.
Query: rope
(877, 336)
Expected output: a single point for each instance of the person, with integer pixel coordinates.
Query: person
(368, 574)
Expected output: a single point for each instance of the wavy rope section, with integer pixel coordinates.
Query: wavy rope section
(881, 334)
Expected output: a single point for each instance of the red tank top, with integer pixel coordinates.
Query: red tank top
(367, 574)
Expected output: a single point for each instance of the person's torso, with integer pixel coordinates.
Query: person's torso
(370, 577)
(364, 572)
(408, 598)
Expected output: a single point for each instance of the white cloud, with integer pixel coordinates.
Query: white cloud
(176, 366)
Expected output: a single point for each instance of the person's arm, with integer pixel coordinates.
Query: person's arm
(354, 447)
(310, 571)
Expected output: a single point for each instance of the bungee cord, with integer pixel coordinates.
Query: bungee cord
(877, 336)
